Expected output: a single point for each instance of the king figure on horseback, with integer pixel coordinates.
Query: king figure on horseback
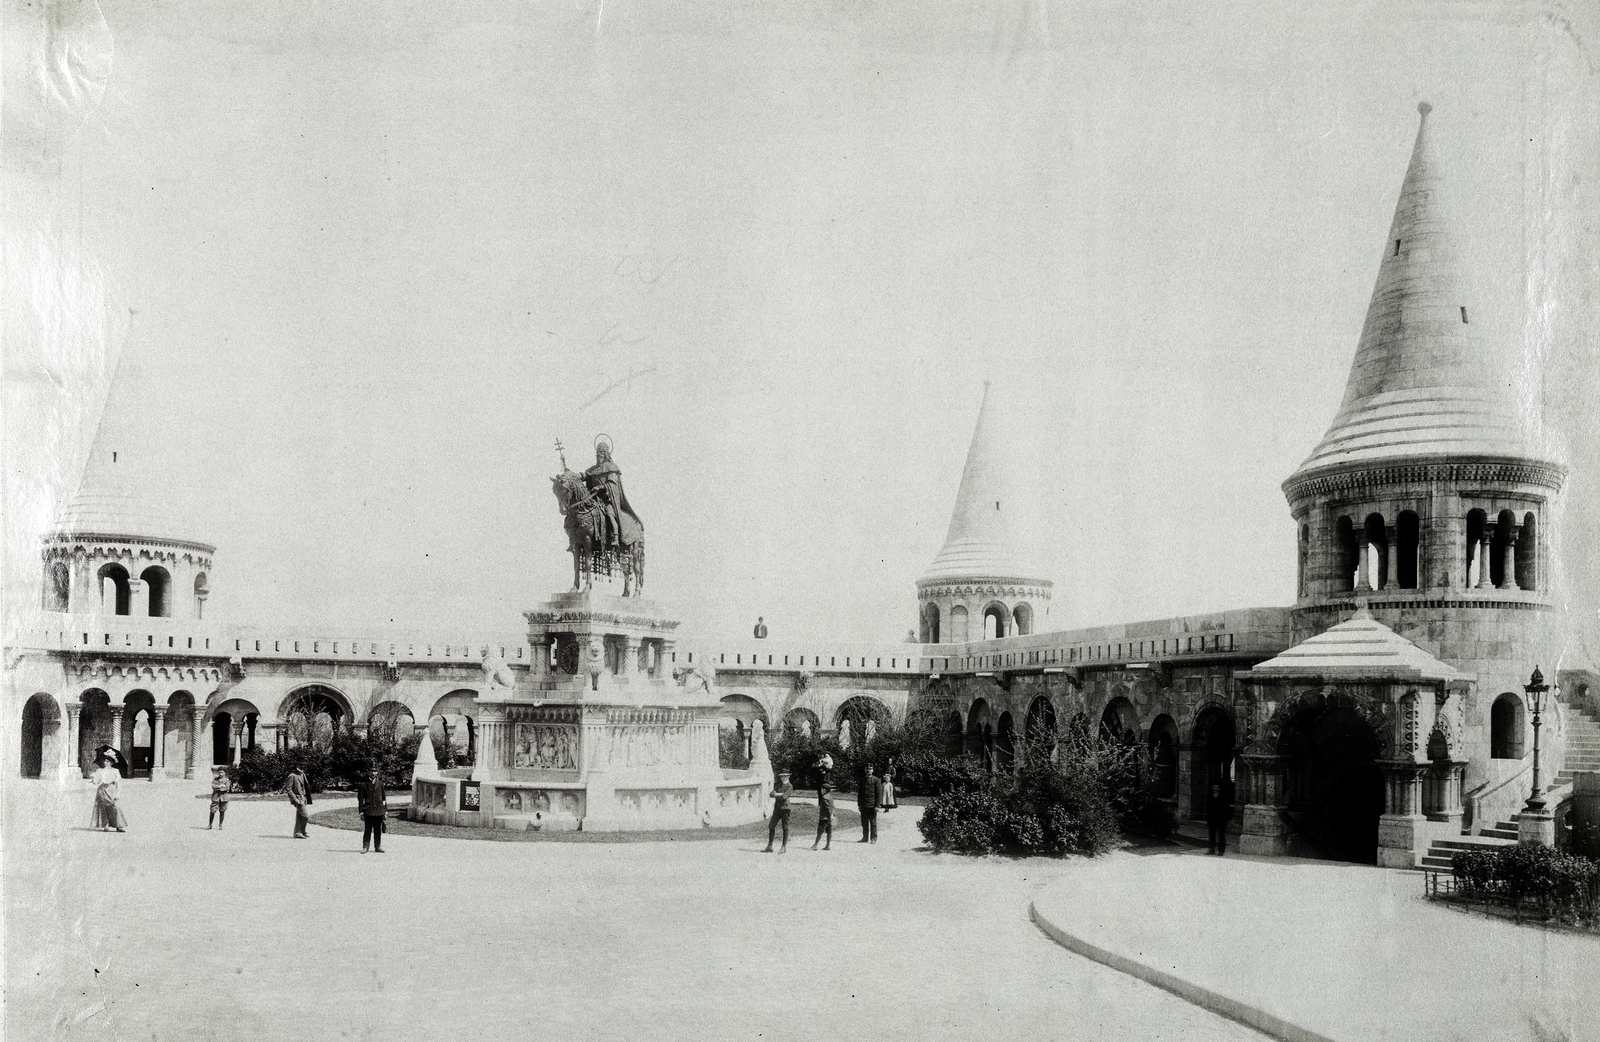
(602, 528)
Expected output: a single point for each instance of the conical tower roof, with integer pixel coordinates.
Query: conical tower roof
(123, 492)
(1425, 381)
(994, 527)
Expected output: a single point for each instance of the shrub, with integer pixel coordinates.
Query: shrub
(1561, 885)
(731, 750)
(1064, 805)
(348, 759)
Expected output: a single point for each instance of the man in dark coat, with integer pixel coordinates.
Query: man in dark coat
(1219, 813)
(781, 791)
(298, 788)
(370, 799)
(868, 795)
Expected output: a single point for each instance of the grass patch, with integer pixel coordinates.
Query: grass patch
(802, 825)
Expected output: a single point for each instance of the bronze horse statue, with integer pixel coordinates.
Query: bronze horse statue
(586, 527)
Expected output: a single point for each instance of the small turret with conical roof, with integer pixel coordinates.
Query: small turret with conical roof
(989, 566)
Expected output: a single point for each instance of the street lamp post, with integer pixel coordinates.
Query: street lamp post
(1536, 689)
(1536, 824)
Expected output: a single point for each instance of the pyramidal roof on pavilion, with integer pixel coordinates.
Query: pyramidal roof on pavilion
(1359, 647)
(993, 528)
(1425, 380)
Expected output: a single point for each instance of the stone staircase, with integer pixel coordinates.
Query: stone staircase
(1583, 746)
(1438, 856)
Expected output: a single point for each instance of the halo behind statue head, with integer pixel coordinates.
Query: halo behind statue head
(603, 441)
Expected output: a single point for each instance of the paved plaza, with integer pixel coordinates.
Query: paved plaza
(172, 932)
(1316, 950)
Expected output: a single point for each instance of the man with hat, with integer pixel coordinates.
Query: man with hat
(780, 811)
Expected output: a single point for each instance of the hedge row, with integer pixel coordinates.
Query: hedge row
(1561, 886)
(345, 760)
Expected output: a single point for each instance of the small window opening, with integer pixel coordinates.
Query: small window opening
(113, 457)
(1397, 247)
(1463, 314)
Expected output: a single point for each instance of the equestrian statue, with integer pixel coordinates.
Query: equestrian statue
(603, 532)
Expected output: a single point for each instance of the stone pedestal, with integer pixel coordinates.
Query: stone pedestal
(603, 740)
(1264, 832)
(1537, 826)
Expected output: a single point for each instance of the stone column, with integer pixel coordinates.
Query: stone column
(238, 744)
(1443, 792)
(1362, 565)
(116, 725)
(1485, 548)
(1508, 559)
(138, 602)
(1263, 831)
(158, 738)
(1391, 536)
(196, 715)
(1402, 836)
(74, 710)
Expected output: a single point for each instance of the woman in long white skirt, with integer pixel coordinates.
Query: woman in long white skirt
(107, 811)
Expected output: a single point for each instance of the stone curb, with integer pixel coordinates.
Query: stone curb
(1205, 998)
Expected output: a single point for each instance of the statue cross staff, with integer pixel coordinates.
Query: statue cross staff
(562, 453)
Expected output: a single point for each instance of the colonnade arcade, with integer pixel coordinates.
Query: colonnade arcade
(1498, 551)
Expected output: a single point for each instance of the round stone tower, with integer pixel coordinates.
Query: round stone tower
(987, 579)
(113, 551)
(1429, 498)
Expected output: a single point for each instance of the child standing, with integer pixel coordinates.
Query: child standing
(824, 817)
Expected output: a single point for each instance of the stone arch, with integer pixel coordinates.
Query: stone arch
(1368, 709)
(739, 714)
(94, 725)
(453, 723)
(202, 590)
(1334, 789)
(1163, 747)
(1375, 552)
(996, 621)
(1527, 553)
(1408, 557)
(113, 579)
(309, 715)
(1504, 535)
(40, 735)
(1506, 727)
(1022, 619)
(1119, 721)
(802, 721)
(980, 730)
(138, 732)
(233, 729)
(930, 623)
(1039, 726)
(1005, 744)
(392, 717)
(1213, 745)
(158, 591)
(960, 631)
(178, 749)
(861, 716)
(1349, 547)
(1477, 525)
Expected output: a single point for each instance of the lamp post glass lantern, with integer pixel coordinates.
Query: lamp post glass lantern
(1536, 689)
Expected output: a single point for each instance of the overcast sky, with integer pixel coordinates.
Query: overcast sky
(364, 264)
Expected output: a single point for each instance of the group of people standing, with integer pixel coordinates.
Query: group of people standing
(874, 792)
(371, 800)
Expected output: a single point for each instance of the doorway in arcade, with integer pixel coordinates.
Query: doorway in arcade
(1334, 789)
